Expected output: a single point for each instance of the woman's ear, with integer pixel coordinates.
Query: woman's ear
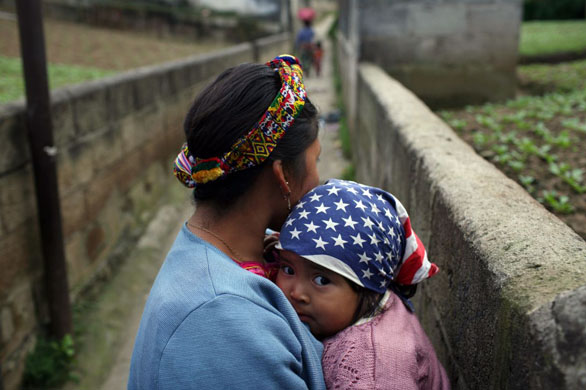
(281, 177)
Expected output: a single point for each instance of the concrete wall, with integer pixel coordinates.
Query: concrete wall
(448, 52)
(508, 308)
(116, 138)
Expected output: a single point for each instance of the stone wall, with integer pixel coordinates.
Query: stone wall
(448, 52)
(507, 310)
(116, 139)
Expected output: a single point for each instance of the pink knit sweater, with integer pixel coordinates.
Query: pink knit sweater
(389, 352)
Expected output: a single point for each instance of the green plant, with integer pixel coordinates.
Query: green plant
(49, 364)
(574, 124)
(516, 165)
(349, 173)
(480, 139)
(559, 203)
(344, 133)
(573, 177)
(12, 84)
(333, 30)
(458, 124)
(528, 182)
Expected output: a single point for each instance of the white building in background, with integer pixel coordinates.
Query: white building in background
(244, 7)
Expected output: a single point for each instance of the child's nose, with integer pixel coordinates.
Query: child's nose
(298, 293)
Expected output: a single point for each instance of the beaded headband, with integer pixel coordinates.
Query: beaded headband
(253, 148)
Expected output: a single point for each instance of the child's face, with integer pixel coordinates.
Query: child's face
(323, 299)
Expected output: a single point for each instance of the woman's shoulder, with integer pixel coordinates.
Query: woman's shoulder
(196, 272)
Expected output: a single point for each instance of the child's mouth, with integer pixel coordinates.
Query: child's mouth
(303, 317)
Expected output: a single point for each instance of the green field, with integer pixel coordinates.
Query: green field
(548, 37)
(12, 83)
(538, 141)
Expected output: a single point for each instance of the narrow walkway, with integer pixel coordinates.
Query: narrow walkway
(104, 361)
(320, 90)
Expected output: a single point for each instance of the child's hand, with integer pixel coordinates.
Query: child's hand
(270, 241)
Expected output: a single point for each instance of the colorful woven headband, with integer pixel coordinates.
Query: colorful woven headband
(253, 148)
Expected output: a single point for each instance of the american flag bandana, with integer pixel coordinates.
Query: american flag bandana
(362, 233)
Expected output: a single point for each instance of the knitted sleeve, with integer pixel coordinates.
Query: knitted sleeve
(348, 361)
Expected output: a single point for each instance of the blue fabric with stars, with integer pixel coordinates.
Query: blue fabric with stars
(349, 228)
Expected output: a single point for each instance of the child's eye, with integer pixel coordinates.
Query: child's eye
(286, 269)
(321, 280)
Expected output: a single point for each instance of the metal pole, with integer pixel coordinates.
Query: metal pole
(40, 137)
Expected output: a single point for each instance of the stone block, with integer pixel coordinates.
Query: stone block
(196, 74)
(18, 319)
(103, 185)
(13, 364)
(62, 117)
(17, 199)
(75, 165)
(19, 254)
(151, 122)
(501, 18)
(382, 20)
(77, 259)
(145, 193)
(131, 131)
(175, 80)
(102, 236)
(562, 327)
(172, 117)
(437, 19)
(433, 327)
(73, 212)
(146, 87)
(466, 296)
(106, 148)
(119, 97)
(13, 138)
(400, 170)
(6, 325)
(443, 86)
(90, 106)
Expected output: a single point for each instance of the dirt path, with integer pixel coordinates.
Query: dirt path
(320, 90)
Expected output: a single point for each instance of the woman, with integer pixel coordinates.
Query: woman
(209, 322)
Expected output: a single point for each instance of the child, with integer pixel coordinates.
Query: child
(318, 53)
(348, 262)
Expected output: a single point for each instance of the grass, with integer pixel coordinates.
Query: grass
(90, 52)
(12, 83)
(565, 77)
(548, 37)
